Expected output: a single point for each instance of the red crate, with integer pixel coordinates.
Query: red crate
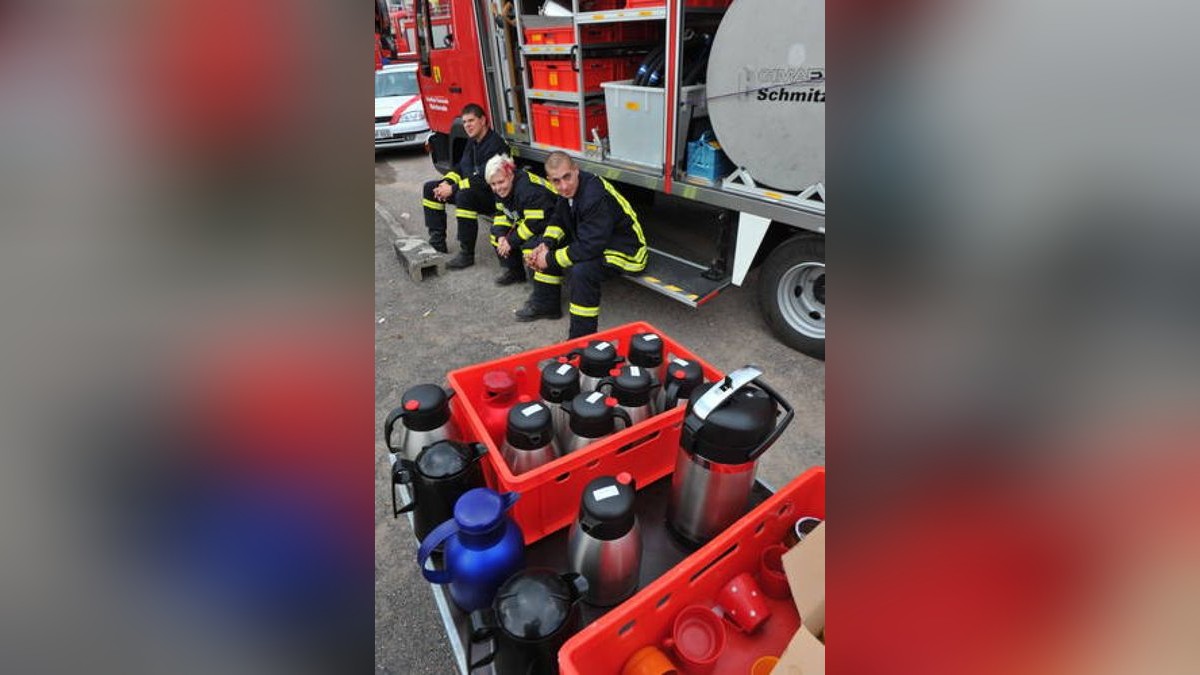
(607, 69)
(644, 619)
(598, 33)
(597, 117)
(558, 125)
(550, 493)
(542, 131)
(599, 5)
(638, 4)
(717, 4)
(550, 35)
(553, 74)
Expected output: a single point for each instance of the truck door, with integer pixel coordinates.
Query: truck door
(451, 73)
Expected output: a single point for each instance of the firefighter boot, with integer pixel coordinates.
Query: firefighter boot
(531, 312)
(514, 271)
(461, 261)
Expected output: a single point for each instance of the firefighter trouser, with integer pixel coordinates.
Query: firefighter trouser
(547, 291)
(468, 203)
(586, 278)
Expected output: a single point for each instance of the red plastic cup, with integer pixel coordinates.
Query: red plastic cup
(744, 603)
(697, 638)
(770, 572)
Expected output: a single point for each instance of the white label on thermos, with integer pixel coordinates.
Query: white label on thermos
(681, 362)
(650, 336)
(531, 409)
(602, 346)
(564, 369)
(605, 492)
(596, 396)
(633, 370)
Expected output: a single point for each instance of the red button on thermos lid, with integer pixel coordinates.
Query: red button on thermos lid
(624, 478)
(610, 402)
(412, 405)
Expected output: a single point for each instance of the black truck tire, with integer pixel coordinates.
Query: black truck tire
(791, 294)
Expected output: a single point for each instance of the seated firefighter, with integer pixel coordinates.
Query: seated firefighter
(525, 202)
(464, 187)
(598, 237)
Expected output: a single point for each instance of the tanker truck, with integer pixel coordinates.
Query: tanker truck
(710, 110)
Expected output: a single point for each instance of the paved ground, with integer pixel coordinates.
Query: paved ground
(423, 330)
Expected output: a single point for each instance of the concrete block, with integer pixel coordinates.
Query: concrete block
(418, 258)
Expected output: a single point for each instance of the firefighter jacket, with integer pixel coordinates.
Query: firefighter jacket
(523, 216)
(600, 223)
(469, 172)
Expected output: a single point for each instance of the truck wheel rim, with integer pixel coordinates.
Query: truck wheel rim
(801, 298)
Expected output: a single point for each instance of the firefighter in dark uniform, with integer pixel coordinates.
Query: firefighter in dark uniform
(524, 209)
(599, 238)
(465, 188)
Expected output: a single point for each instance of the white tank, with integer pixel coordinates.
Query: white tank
(766, 90)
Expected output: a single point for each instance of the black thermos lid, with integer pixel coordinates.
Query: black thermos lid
(426, 407)
(529, 425)
(560, 382)
(646, 350)
(606, 507)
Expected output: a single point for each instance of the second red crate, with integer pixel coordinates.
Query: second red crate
(550, 493)
(558, 125)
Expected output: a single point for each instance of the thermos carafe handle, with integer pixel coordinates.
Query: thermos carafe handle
(402, 475)
(671, 394)
(620, 412)
(578, 584)
(509, 498)
(430, 543)
(389, 425)
(788, 414)
(449, 392)
(483, 631)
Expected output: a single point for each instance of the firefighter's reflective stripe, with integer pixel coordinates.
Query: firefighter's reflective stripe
(464, 183)
(534, 214)
(501, 221)
(494, 239)
(637, 227)
(453, 177)
(466, 213)
(554, 232)
(561, 257)
(523, 231)
(431, 204)
(629, 264)
(587, 312)
(538, 180)
(547, 278)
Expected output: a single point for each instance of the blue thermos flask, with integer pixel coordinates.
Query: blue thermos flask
(483, 547)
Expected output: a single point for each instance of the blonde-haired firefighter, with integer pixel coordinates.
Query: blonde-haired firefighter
(525, 204)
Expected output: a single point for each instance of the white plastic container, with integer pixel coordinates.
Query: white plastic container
(637, 119)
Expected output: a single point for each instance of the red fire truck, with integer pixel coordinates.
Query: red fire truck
(641, 92)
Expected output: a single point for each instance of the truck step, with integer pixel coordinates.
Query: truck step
(679, 279)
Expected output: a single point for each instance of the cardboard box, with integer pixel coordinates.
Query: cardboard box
(804, 566)
(805, 655)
